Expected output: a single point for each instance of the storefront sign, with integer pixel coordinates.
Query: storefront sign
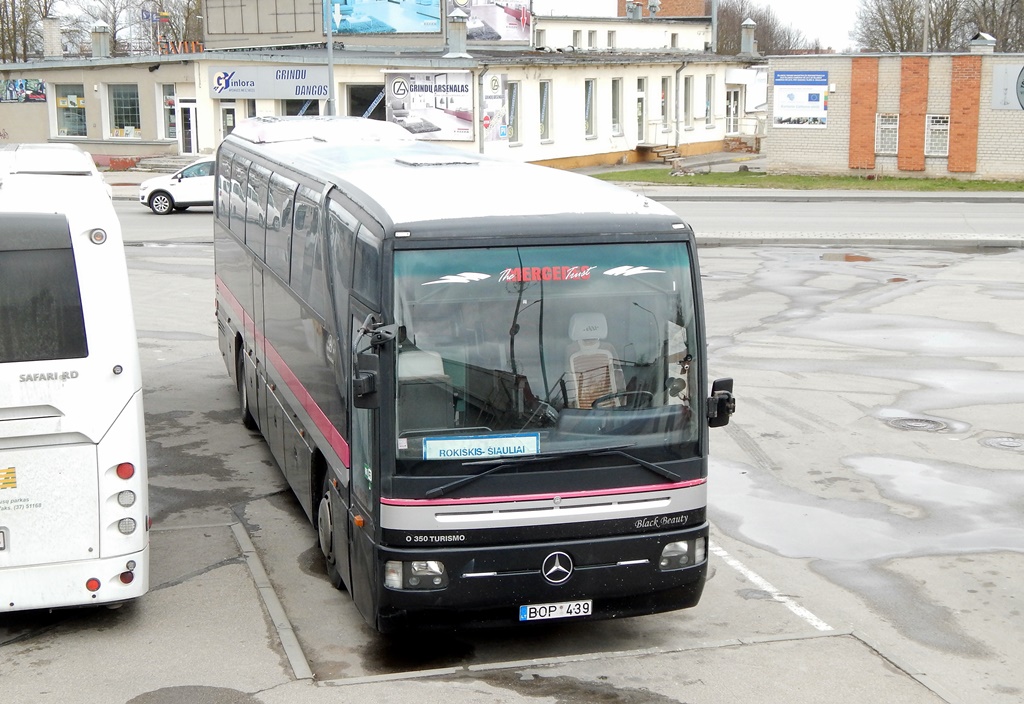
(269, 82)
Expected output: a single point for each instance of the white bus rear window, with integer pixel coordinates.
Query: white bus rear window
(40, 306)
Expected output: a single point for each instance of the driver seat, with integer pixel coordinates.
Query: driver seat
(591, 362)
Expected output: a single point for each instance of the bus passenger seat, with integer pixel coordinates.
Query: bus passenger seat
(425, 397)
(591, 365)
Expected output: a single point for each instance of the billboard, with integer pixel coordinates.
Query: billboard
(800, 99)
(364, 17)
(494, 22)
(278, 82)
(431, 105)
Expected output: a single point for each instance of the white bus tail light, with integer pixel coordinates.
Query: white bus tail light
(126, 498)
(126, 470)
(127, 526)
(97, 236)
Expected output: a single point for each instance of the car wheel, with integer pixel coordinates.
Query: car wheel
(161, 203)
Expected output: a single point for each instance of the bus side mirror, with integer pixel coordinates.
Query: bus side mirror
(722, 404)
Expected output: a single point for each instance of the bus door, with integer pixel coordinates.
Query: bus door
(364, 485)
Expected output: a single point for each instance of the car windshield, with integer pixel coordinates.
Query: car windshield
(520, 351)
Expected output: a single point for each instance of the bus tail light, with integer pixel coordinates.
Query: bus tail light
(92, 584)
(127, 526)
(684, 553)
(126, 470)
(126, 577)
(416, 575)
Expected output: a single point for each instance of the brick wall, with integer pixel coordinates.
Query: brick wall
(864, 85)
(671, 8)
(963, 114)
(913, 106)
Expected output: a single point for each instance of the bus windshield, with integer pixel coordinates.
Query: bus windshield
(512, 352)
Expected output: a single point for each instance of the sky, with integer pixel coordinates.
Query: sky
(828, 20)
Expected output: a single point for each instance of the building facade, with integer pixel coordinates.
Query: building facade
(906, 115)
(593, 90)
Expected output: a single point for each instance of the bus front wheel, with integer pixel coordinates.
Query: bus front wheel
(243, 393)
(325, 533)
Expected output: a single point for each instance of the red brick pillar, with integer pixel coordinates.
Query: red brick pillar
(965, 96)
(913, 107)
(863, 107)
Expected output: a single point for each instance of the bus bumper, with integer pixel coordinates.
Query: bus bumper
(67, 584)
(488, 586)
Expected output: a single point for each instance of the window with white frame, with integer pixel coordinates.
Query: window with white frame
(611, 38)
(936, 138)
(539, 38)
(124, 110)
(617, 106)
(577, 38)
(71, 110)
(666, 100)
(170, 126)
(674, 40)
(592, 39)
(709, 100)
(688, 101)
(545, 110)
(589, 113)
(513, 113)
(887, 133)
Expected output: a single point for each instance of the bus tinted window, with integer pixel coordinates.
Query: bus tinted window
(256, 209)
(279, 224)
(239, 187)
(307, 250)
(224, 186)
(40, 306)
(367, 269)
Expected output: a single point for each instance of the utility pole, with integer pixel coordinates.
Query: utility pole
(927, 26)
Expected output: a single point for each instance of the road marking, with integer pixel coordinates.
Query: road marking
(767, 586)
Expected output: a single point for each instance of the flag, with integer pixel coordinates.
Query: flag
(165, 16)
(146, 15)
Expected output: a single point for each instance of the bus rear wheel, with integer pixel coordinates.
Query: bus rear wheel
(325, 533)
(243, 394)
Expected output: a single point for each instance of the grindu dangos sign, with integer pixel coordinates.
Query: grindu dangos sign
(269, 82)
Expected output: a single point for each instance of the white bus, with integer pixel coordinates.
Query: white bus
(484, 381)
(74, 512)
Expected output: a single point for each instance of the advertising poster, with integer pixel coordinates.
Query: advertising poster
(392, 17)
(278, 82)
(491, 21)
(431, 105)
(23, 90)
(495, 99)
(800, 99)
(1008, 87)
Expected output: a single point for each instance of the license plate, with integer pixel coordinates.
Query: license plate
(561, 609)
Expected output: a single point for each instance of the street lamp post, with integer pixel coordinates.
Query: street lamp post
(329, 28)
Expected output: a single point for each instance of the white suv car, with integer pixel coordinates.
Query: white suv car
(193, 185)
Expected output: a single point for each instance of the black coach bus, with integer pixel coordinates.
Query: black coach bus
(484, 381)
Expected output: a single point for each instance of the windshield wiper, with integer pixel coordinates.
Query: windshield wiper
(506, 462)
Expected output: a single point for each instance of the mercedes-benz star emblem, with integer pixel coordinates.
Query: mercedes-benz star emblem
(557, 567)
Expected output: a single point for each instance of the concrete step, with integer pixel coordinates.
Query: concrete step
(164, 164)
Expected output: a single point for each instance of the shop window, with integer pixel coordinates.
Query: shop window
(124, 110)
(71, 110)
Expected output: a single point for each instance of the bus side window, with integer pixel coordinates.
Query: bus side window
(224, 187)
(307, 250)
(256, 210)
(279, 224)
(236, 202)
(367, 265)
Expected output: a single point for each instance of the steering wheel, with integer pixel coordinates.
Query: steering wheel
(636, 400)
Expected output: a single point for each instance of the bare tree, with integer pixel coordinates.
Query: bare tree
(947, 30)
(1003, 19)
(117, 16)
(772, 36)
(889, 25)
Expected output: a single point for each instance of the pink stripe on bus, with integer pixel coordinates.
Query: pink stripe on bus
(542, 497)
(316, 414)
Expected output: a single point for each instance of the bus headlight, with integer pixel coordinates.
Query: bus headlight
(684, 553)
(419, 574)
